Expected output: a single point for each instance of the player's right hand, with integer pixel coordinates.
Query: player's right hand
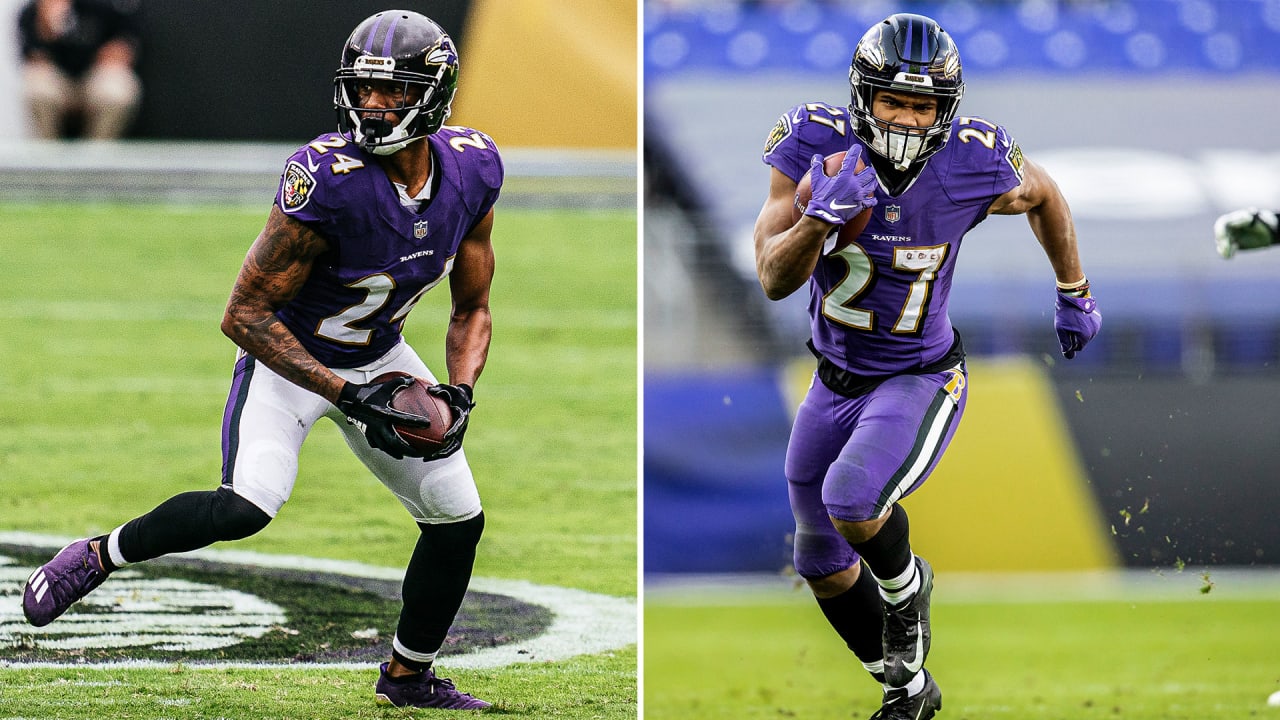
(461, 399)
(368, 406)
(1245, 230)
(839, 199)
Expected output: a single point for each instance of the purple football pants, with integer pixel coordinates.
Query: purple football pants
(853, 458)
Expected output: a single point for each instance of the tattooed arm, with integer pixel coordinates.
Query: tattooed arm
(275, 269)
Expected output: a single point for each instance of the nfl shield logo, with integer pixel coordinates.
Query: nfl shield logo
(892, 213)
(420, 229)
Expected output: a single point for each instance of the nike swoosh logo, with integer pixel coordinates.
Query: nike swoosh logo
(311, 165)
(796, 117)
(915, 665)
(838, 206)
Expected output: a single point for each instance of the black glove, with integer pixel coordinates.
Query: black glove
(369, 407)
(460, 399)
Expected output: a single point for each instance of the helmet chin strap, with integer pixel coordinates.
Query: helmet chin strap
(900, 150)
(907, 147)
(394, 147)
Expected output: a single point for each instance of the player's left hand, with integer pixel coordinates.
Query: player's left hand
(1077, 320)
(1244, 230)
(461, 399)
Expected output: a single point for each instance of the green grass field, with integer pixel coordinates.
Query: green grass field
(1128, 652)
(115, 374)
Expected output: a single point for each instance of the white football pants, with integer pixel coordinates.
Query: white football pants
(268, 417)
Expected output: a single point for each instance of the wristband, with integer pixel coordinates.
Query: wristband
(1078, 289)
(348, 393)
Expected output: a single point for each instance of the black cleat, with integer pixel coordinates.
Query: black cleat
(906, 631)
(897, 706)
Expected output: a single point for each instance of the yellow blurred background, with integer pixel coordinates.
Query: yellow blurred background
(543, 74)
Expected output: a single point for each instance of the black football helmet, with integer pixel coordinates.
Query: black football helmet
(905, 53)
(400, 46)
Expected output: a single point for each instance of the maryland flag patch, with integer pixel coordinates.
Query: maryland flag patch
(296, 187)
(777, 134)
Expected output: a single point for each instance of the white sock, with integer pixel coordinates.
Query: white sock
(897, 589)
(113, 548)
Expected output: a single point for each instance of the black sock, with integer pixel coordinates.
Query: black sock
(104, 556)
(856, 616)
(888, 553)
(190, 521)
(434, 584)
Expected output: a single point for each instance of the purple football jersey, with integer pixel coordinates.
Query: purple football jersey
(879, 306)
(382, 255)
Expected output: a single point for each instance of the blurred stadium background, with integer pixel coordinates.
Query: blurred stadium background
(1155, 447)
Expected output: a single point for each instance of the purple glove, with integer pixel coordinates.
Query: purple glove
(839, 199)
(1077, 320)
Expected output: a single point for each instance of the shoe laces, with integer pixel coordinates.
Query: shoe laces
(446, 685)
(439, 682)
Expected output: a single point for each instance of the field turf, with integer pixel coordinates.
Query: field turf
(1044, 650)
(115, 375)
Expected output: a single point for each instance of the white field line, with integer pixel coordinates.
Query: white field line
(582, 622)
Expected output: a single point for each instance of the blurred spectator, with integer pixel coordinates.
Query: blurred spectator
(78, 66)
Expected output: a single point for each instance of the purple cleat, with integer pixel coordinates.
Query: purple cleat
(424, 691)
(73, 573)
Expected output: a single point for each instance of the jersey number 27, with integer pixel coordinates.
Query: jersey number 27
(840, 304)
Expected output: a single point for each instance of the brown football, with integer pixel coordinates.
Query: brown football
(804, 193)
(415, 399)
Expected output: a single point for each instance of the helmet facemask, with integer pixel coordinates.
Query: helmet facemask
(369, 126)
(418, 65)
(900, 144)
(905, 54)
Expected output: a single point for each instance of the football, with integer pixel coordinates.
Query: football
(415, 399)
(804, 192)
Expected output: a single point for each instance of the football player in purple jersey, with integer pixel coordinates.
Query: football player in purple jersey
(1245, 229)
(366, 221)
(889, 389)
